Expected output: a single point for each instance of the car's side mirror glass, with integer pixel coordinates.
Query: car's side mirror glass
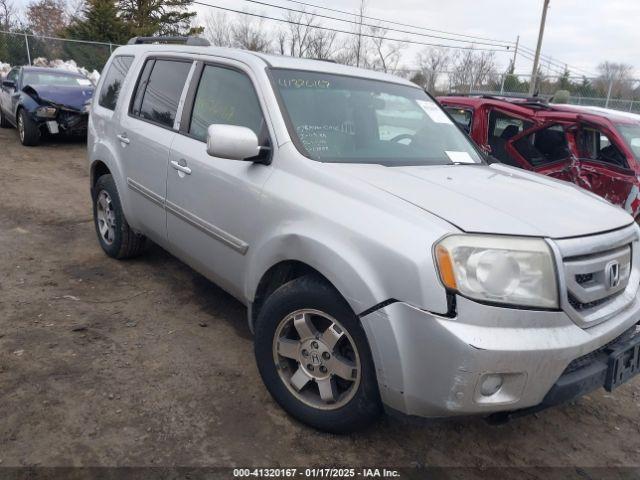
(232, 142)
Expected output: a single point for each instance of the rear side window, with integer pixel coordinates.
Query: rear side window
(225, 96)
(113, 81)
(158, 94)
(461, 116)
(595, 145)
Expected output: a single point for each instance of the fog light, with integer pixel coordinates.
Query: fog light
(491, 384)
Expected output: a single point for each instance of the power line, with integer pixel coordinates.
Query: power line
(559, 63)
(530, 57)
(400, 23)
(346, 32)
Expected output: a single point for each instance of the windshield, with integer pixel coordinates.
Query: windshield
(631, 134)
(57, 79)
(336, 118)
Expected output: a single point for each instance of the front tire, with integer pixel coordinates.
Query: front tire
(28, 130)
(314, 358)
(116, 238)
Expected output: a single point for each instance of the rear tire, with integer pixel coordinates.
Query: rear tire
(4, 123)
(297, 368)
(116, 238)
(28, 130)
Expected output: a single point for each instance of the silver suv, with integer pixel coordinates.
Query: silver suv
(383, 261)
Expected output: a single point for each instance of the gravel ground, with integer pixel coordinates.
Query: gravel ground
(146, 363)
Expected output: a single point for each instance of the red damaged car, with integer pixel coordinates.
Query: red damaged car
(595, 148)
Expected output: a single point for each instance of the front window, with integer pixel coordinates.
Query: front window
(54, 78)
(336, 118)
(631, 134)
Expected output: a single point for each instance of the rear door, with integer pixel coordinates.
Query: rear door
(545, 150)
(145, 135)
(604, 169)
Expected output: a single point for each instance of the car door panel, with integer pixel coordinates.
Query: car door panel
(615, 183)
(535, 160)
(207, 211)
(212, 203)
(147, 133)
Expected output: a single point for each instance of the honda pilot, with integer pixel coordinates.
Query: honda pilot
(383, 262)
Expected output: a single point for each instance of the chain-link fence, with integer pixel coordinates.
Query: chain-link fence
(25, 49)
(616, 94)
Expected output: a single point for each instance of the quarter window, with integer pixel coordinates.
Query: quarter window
(158, 96)
(461, 116)
(225, 96)
(113, 81)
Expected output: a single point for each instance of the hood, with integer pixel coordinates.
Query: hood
(495, 199)
(73, 97)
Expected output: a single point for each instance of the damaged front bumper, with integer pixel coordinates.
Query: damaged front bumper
(484, 360)
(66, 122)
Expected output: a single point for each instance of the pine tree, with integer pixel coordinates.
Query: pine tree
(157, 17)
(99, 22)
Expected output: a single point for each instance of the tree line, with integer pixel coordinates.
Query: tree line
(300, 34)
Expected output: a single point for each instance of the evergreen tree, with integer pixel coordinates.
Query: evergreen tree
(157, 17)
(99, 22)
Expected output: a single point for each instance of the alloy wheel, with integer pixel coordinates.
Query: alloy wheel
(106, 217)
(317, 359)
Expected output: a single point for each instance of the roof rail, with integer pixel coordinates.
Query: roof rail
(195, 41)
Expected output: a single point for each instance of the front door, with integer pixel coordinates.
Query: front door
(545, 150)
(147, 131)
(213, 204)
(8, 95)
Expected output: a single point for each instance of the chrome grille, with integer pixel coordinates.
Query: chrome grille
(600, 274)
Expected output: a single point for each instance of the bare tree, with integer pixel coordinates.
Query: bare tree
(321, 44)
(218, 29)
(432, 62)
(472, 68)
(297, 38)
(616, 75)
(359, 39)
(386, 53)
(8, 15)
(47, 17)
(250, 34)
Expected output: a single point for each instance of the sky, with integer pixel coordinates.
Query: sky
(579, 33)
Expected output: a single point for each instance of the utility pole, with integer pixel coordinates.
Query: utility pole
(515, 54)
(536, 60)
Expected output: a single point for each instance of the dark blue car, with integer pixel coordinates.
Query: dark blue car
(41, 101)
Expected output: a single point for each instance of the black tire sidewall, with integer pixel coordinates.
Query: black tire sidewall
(31, 130)
(313, 293)
(106, 183)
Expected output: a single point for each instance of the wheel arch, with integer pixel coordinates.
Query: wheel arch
(342, 269)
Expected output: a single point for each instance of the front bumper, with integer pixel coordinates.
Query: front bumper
(433, 366)
(66, 122)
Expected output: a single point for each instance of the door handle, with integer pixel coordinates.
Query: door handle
(181, 166)
(123, 138)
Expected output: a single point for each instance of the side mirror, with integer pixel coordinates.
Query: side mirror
(9, 84)
(232, 142)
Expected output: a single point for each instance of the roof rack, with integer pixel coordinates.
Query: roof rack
(195, 41)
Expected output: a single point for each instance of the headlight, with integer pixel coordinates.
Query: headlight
(46, 112)
(492, 268)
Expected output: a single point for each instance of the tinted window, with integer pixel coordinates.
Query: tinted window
(162, 91)
(225, 96)
(544, 146)
(113, 82)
